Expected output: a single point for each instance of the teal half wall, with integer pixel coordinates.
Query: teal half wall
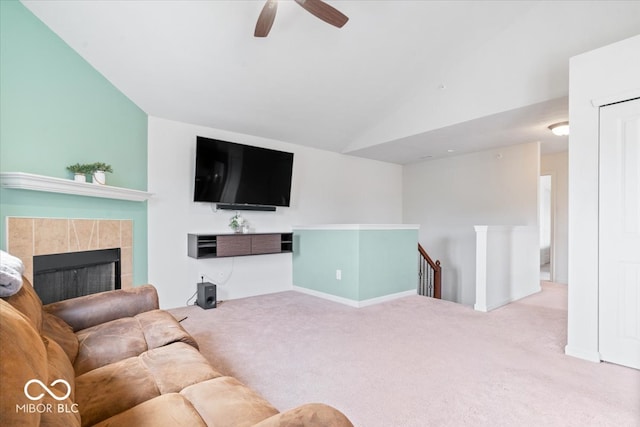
(57, 110)
(356, 263)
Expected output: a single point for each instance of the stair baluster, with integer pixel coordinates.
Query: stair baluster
(429, 275)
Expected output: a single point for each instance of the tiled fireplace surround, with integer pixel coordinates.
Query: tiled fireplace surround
(27, 237)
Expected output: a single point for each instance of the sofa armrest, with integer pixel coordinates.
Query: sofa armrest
(309, 415)
(95, 309)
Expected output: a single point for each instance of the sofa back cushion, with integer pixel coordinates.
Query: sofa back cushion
(24, 358)
(56, 329)
(63, 413)
(31, 362)
(27, 302)
(59, 367)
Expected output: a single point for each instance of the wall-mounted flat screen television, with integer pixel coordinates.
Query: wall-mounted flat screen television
(238, 174)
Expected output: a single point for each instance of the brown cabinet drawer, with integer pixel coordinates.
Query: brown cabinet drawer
(234, 245)
(265, 244)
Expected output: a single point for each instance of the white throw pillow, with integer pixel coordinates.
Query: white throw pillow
(11, 270)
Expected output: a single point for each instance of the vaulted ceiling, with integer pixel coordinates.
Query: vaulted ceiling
(402, 81)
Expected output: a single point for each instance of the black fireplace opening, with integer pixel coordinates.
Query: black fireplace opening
(57, 277)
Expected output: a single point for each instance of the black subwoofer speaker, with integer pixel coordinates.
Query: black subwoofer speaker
(206, 295)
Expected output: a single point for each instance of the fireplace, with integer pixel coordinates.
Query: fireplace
(67, 275)
(28, 238)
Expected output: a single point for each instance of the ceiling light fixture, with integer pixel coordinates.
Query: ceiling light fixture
(560, 129)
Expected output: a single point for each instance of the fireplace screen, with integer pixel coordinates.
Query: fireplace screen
(58, 277)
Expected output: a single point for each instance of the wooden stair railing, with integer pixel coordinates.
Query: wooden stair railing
(429, 275)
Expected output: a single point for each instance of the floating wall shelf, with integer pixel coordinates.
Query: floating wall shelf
(28, 181)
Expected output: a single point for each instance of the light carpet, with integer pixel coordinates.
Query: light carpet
(417, 361)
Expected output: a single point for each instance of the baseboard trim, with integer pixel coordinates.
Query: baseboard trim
(480, 307)
(385, 298)
(486, 308)
(591, 356)
(351, 302)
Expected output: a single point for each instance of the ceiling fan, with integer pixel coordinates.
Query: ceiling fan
(318, 8)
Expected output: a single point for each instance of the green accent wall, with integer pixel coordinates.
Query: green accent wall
(56, 110)
(317, 255)
(388, 262)
(373, 263)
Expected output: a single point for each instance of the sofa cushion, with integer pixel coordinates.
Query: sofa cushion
(59, 367)
(27, 302)
(59, 413)
(168, 410)
(102, 307)
(161, 328)
(28, 356)
(175, 410)
(114, 388)
(56, 329)
(107, 343)
(127, 337)
(311, 414)
(177, 366)
(24, 358)
(226, 402)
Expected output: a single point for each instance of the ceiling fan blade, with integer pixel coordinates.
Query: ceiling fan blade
(265, 20)
(325, 12)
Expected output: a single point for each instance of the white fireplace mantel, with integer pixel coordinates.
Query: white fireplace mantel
(28, 181)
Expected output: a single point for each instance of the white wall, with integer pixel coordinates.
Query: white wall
(609, 74)
(327, 188)
(557, 165)
(545, 212)
(507, 266)
(449, 196)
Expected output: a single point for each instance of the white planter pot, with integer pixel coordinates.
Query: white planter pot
(80, 177)
(99, 177)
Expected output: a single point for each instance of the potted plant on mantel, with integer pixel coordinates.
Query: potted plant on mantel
(98, 170)
(80, 171)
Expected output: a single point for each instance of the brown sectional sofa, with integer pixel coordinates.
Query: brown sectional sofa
(126, 363)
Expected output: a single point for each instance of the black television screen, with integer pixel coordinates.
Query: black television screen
(240, 174)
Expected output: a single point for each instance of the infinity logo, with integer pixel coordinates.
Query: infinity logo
(47, 389)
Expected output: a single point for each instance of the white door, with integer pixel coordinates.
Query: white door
(619, 269)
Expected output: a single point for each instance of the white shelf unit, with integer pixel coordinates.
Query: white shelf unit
(29, 181)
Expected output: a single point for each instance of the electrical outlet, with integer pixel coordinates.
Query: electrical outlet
(338, 274)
